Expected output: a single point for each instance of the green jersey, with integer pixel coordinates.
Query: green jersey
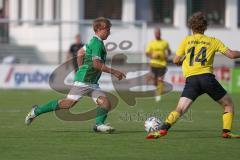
(93, 50)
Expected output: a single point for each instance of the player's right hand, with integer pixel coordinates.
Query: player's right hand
(118, 74)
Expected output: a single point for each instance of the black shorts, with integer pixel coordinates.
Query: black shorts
(204, 83)
(158, 72)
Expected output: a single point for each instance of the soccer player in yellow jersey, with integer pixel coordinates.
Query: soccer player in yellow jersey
(158, 51)
(196, 54)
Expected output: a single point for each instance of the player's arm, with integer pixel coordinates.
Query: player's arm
(80, 55)
(148, 51)
(232, 54)
(168, 52)
(178, 60)
(97, 64)
(220, 47)
(149, 54)
(180, 54)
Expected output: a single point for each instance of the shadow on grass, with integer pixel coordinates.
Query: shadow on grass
(195, 134)
(70, 131)
(173, 134)
(92, 132)
(194, 130)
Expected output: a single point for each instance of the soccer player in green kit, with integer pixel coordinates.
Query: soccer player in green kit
(91, 61)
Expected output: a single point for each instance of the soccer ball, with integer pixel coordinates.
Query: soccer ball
(152, 124)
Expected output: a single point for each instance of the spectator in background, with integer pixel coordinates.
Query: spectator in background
(158, 51)
(1, 13)
(72, 53)
(1, 26)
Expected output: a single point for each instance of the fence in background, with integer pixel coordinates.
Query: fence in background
(51, 40)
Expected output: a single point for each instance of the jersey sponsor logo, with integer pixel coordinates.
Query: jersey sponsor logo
(199, 42)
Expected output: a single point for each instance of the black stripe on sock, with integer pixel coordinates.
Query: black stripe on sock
(166, 126)
(226, 130)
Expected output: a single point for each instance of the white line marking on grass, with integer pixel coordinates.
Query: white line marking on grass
(10, 110)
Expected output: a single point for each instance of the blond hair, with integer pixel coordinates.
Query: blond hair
(100, 23)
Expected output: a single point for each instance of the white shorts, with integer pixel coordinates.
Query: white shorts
(80, 89)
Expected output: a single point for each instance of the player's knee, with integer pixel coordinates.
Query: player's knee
(229, 109)
(160, 79)
(227, 103)
(228, 106)
(103, 101)
(66, 103)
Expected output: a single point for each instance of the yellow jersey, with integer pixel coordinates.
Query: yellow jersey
(158, 48)
(199, 51)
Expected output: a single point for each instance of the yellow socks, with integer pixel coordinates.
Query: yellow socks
(172, 117)
(160, 88)
(227, 121)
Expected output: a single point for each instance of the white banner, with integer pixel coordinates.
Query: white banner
(37, 77)
(175, 77)
(25, 76)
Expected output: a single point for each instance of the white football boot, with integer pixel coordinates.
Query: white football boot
(105, 128)
(30, 116)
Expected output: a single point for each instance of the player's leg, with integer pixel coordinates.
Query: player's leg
(55, 105)
(74, 95)
(227, 104)
(182, 107)
(104, 106)
(190, 92)
(155, 82)
(227, 117)
(49, 107)
(158, 81)
(159, 88)
(214, 89)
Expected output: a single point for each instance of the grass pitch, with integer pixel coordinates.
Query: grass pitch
(195, 136)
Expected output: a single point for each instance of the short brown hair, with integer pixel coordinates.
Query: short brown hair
(100, 23)
(198, 22)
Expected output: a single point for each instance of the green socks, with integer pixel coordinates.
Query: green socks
(53, 105)
(101, 115)
(50, 106)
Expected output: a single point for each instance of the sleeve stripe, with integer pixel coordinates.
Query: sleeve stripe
(96, 57)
